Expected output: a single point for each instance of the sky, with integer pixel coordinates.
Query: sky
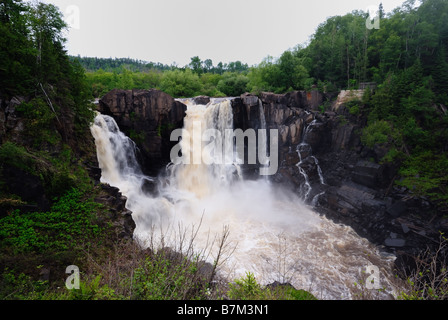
(173, 31)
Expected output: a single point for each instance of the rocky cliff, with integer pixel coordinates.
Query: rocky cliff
(148, 117)
(321, 156)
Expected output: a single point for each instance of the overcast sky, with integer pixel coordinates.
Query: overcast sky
(173, 31)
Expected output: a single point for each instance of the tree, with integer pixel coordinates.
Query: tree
(208, 65)
(292, 73)
(16, 50)
(233, 84)
(179, 83)
(196, 65)
(264, 77)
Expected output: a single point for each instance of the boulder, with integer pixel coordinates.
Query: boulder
(367, 173)
(390, 242)
(203, 100)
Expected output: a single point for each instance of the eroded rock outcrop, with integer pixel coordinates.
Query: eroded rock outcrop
(148, 117)
(116, 215)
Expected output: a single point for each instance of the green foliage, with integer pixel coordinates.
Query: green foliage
(379, 132)
(284, 74)
(17, 52)
(118, 64)
(232, 84)
(17, 156)
(354, 107)
(426, 174)
(137, 137)
(58, 174)
(70, 222)
(162, 277)
(92, 290)
(294, 294)
(34, 65)
(181, 83)
(104, 75)
(39, 122)
(247, 288)
(19, 286)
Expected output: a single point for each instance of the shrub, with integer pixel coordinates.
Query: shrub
(378, 132)
(161, 278)
(429, 280)
(247, 288)
(233, 84)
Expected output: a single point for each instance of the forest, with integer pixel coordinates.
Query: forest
(407, 59)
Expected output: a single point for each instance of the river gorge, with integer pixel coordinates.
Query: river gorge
(321, 222)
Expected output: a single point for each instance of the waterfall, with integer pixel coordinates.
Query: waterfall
(262, 133)
(305, 188)
(116, 155)
(277, 237)
(305, 151)
(319, 170)
(213, 169)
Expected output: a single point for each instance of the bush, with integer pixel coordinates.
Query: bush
(247, 288)
(379, 132)
(162, 278)
(353, 107)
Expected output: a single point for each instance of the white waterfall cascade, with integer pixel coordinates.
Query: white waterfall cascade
(277, 237)
(305, 148)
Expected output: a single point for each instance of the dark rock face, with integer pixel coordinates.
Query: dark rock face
(148, 117)
(357, 191)
(118, 215)
(11, 123)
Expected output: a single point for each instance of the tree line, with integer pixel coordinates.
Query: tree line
(199, 77)
(341, 54)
